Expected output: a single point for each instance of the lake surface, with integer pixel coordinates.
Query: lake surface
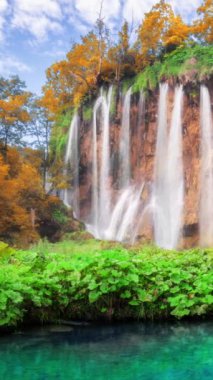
(180, 351)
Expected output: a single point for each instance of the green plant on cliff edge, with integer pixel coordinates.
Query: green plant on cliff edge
(175, 65)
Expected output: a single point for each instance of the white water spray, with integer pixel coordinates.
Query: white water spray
(101, 192)
(169, 184)
(105, 191)
(71, 198)
(206, 201)
(125, 160)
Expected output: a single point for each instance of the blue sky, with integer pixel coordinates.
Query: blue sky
(36, 33)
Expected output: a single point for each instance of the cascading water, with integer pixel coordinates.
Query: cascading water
(140, 129)
(105, 191)
(122, 223)
(206, 201)
(101, 192)
(141, 199)
(125, 162)
(169, 183)
(117, 214)
(71, 198)
(160, 185)
(95, 183)
(128, 224)
(112, 223)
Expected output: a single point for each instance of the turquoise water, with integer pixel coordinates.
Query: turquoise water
(120, 352)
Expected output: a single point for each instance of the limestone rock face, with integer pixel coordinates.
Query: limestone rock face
(143, 145)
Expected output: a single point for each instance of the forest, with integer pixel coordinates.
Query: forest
(51, 269)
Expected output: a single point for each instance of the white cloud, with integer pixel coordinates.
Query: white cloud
(4, 6)
(90, 12)
(10, 65)
(133, 10)
(185, 8)
(38, 17)
(83, 14)
(50, 8)
(39, 27)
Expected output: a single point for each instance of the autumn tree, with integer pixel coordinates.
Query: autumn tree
(39, 133)
(26, 209)
(19, 186)
(160, 29)
(69, 80)
(102, 34)
(120, 57)
(203, 27)
(176, 34)
(14, 113)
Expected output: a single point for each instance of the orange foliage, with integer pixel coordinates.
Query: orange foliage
(152, 29)
(177, 32)
(94, 61)
(21, 196)
(203, 27)
(19, 182)
(69, 80)
(160, 28)
(12, 109)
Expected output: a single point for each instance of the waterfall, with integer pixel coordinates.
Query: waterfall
(115, 222)
(128, 224)
(206, 201)
(125, 160)
(105, 191)
(169, 183)
(95, 182)
(140, 121)
(117, 214)
(141, 105)
(118, 211)
(100, 210)
(71, 198)
(160, 185)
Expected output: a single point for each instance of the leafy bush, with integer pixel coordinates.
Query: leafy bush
(92, 281)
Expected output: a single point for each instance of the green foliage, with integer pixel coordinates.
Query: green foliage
(113, 105)
(182, 61)
(59, 134)
(87, 113)
(60, 216)
(93, 280)
(5, 251)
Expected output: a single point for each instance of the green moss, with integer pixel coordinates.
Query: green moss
(113, 105)
(59, 134)
(87, 112)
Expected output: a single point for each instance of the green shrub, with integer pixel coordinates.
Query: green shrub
(86, 281)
